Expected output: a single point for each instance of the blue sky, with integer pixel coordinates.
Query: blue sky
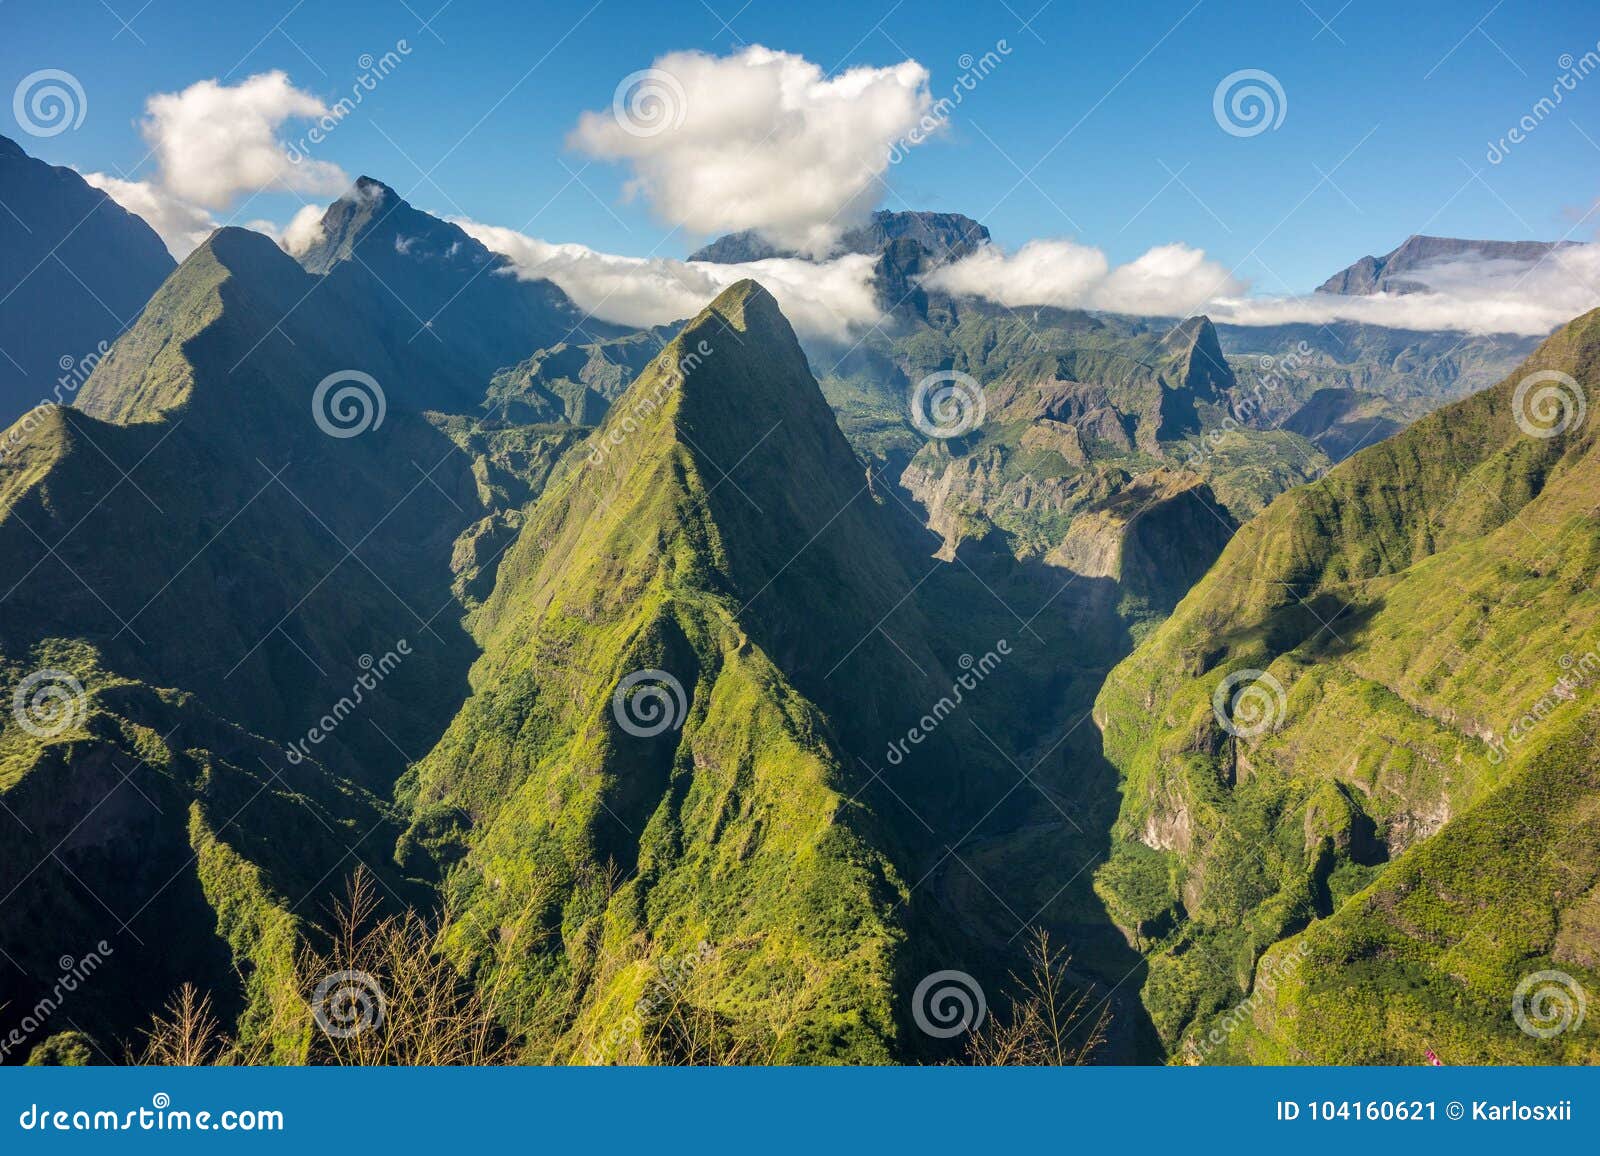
(1108, 108)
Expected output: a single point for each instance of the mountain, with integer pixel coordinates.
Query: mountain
(1403, 270)
(1080, 409)
(942, 236)
(1357, 765)
(75, 269)
(459, 301)
(243, 557)
(1341, 421)
(738, 824)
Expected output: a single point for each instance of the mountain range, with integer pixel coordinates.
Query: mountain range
(75, 269)
(1406, 269)
(714, 704)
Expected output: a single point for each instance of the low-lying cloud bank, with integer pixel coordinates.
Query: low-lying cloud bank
(835, 299)
(1168, 280)
(828, 299)
(1471, 294)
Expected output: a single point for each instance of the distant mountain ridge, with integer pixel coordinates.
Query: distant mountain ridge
(942, 236)
(1397, 271)
(75, 268)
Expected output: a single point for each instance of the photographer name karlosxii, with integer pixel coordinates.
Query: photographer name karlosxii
(1483, 1110)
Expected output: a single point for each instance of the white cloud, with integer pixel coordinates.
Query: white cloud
(758, 140)
(1470, 295)
(213, 145)
(832, 299)
(1166, 281)
(181, 226)
(214, 142)
(303, 230)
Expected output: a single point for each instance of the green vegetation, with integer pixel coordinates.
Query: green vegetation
(1411, 606)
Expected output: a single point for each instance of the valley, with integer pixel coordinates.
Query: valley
(719, 643)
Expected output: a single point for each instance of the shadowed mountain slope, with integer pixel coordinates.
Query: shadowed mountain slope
(75, 269)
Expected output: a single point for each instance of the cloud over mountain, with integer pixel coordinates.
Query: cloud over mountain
(1469, 294)
(1167, 280)
(214, 145)
(822, 299)
(757, 140)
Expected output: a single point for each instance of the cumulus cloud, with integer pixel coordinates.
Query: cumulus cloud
(214, 142)
(758, 140)
(180, 225)
(1168, 280)
(831, 299)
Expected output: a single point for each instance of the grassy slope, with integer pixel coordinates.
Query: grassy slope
(738, 829)
(1453, 566)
